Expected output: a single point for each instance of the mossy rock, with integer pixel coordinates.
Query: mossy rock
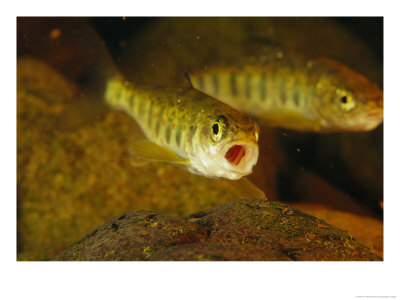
(250, 229)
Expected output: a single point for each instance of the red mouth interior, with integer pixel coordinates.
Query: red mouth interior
(235, 154)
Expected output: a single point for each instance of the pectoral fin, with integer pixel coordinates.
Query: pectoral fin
(145, 149)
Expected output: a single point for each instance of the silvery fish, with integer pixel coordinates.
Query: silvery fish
(289, 90)
(189, 128)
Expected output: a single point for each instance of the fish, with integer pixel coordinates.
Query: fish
(180, 125)
(188, 128)
(289, 90)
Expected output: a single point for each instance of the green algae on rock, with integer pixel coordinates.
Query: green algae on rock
(250, 229)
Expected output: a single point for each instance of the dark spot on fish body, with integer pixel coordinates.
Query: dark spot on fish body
(131, 102)
(312, 94)
(158, 124)
(215, 81)
(282, 90)
(192, 131)
(263, 92)
(150, 114)
(141, 108)
(233, 84)
(296, 97)
(248, 85)
(178, 135)
(168, 133)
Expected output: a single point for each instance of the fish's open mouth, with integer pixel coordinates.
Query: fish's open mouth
(235, 154)
(234, 160)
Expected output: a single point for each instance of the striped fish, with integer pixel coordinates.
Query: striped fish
(295, 92)
(189, 128)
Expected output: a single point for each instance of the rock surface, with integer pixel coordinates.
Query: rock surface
(240, 230)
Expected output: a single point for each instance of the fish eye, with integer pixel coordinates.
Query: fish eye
(347, 103)
(216, 129)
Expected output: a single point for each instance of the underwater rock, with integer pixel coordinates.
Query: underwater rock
(364, 228)
(250, 229)
(37, 78)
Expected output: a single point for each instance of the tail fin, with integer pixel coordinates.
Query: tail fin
(71, 46)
